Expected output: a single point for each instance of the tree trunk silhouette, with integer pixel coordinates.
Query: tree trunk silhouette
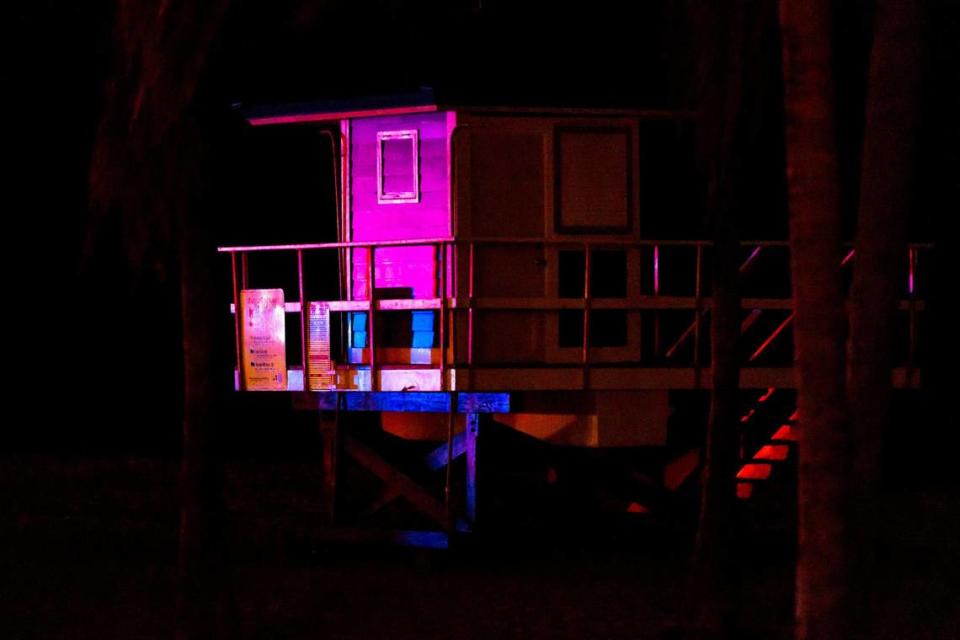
(729, 84)
(823, 555)
(879, 271)
(714, 578)
(147, 167)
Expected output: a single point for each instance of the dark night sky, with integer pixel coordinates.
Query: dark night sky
(524, 52)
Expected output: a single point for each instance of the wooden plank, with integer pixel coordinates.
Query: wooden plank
(521, 379)
(474, 402)
(407, 305)
(783, 304)
(615, 377)
(765, 377)
(494, 385)
(288, 307)
(395, 479)
(416, 401)
(437, 459)
(349, 305)
(473, 436)
(312, 116)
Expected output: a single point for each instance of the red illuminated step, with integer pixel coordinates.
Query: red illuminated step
(786, 433)
(755, 471)
(773, 452)
(744, 490)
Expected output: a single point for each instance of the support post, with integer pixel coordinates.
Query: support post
(473, 435)
(329, 434)
(448, 480)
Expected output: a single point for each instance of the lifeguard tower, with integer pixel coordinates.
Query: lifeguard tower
(492, 266)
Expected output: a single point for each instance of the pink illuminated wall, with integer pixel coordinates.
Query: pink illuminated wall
(412, 268)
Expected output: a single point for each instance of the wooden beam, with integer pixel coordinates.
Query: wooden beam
(394, 478)
(388, 494)
(437, 459)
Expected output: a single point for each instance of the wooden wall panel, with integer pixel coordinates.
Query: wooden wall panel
(507, 184)
(408, 268)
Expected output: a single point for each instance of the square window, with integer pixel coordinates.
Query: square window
(398, 166)
(593, 180)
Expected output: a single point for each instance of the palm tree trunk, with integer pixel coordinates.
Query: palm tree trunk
(201, 562)
(147, 165)
(823, 560)
(879, 268)
(715, 582)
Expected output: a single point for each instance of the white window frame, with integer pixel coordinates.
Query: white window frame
(398, 197)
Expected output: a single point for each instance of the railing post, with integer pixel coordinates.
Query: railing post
(585, 355)
(442, 248)
(371, 300)
(303, 320)
(453, 262)
(470, 294)
(237, 322)
(698, 293)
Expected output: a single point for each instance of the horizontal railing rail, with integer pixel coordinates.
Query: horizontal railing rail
(650, 294)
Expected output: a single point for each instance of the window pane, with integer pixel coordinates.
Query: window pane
(398, 179)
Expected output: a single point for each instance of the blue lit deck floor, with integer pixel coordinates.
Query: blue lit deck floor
(503, 381)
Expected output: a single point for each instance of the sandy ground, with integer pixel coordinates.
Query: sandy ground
(88, 547)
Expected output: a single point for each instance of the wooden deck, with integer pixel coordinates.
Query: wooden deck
(475, 384)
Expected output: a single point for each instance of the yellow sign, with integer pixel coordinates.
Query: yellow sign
(263, 328)
(321, 373)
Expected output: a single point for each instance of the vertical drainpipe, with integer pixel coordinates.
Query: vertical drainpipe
(450, 285)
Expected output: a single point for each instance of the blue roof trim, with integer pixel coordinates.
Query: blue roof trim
(422, 98)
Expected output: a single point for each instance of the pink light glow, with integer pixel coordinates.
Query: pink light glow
(913, 266)
(750, 258)
(766, 343)
(848, 258)
(656, 269)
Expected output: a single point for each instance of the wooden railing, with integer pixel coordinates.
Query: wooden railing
(651, 293)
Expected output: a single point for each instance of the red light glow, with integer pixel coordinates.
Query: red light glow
(755, 471)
